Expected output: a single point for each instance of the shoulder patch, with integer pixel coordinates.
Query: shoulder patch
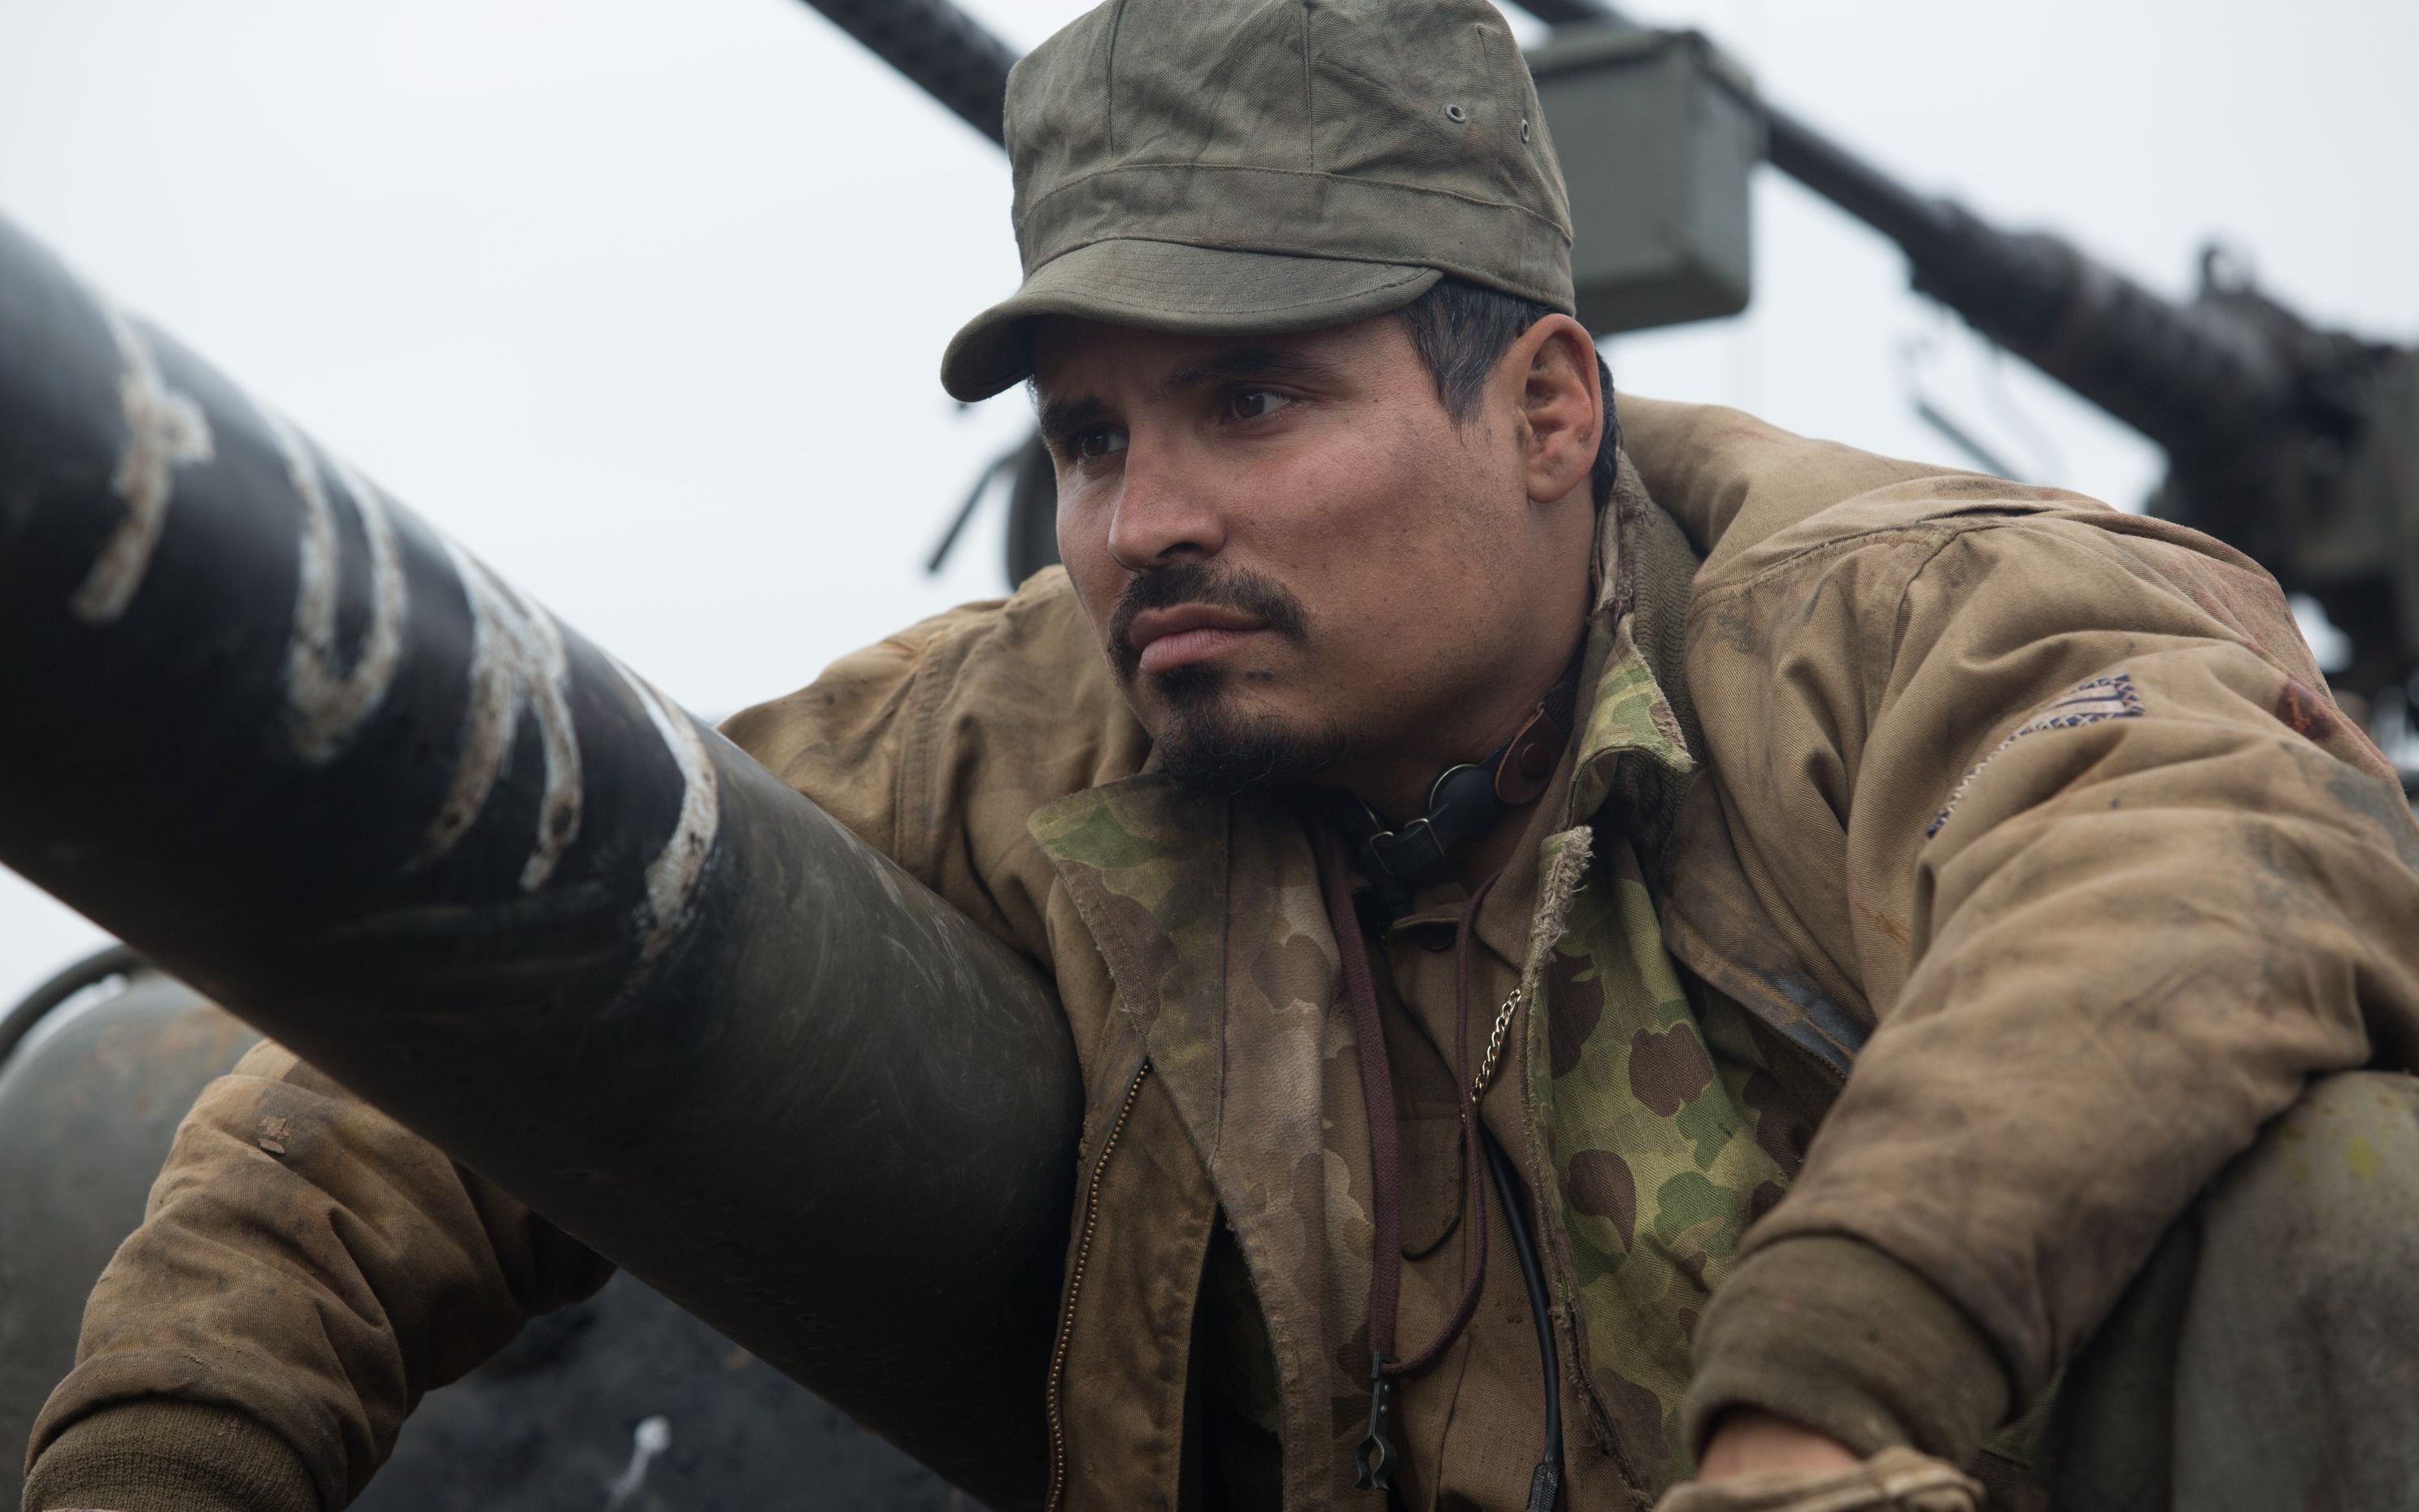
(2101, 699)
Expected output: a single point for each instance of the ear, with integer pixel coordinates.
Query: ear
(1562, 406)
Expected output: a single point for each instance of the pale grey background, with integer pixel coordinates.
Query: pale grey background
(642, 299)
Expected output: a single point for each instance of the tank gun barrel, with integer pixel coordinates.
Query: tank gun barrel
(312, 758)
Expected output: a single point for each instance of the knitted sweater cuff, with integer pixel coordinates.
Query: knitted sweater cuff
(155, 1454)
(1831, 1332)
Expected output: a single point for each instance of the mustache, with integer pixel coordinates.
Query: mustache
(1186, 581)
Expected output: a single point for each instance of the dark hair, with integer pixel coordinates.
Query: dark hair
(1460, 330)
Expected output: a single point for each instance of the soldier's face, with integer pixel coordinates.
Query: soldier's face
(1298, 563)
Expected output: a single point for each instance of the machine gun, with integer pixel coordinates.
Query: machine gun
(2296, 445)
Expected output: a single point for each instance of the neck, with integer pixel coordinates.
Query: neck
(1476, 804)
(1397, 782)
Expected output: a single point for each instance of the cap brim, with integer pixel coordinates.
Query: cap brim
(1171, 286)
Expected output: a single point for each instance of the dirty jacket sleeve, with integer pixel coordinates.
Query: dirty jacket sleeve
(307, 1268)
(2050, 795)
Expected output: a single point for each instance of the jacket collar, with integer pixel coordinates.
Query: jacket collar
(1148, 869)
(1635, 726)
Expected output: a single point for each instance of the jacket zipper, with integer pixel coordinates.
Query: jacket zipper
(1074, 1285)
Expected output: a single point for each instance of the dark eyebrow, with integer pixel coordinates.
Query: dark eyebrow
(1063, 417)
(1242, 362)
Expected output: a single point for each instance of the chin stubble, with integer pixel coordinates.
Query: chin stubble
(1208, 746)
(1213, 750)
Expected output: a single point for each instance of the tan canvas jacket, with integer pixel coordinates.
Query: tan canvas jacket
(2034, 813)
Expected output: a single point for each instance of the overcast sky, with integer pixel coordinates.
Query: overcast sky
(642, 300)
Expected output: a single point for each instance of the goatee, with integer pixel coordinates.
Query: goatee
(1212, 748)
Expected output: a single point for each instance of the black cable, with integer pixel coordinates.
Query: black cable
(967, 511)
(116, 960)
(1546, 1483)
(957, 59)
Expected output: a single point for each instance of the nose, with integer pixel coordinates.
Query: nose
(1162, 514)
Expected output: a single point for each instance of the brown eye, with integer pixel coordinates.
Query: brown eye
(1256, 404)
(1097, 442)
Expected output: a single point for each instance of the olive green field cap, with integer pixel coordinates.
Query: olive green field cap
(1256, 166)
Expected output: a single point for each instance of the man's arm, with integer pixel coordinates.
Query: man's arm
(305, 1271)
(2054, 792)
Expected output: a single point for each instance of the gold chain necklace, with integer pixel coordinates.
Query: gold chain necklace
(1487, 1066)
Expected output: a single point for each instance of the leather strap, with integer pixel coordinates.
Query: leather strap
(1465, 801)
(1375, 1458)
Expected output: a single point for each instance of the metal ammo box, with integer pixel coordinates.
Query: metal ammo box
(1658, 133)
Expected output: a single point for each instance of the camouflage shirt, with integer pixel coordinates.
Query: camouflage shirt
(1666, 1136)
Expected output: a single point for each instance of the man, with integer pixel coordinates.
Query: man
(1468, 903)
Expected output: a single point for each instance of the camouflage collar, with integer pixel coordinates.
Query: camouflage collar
(1148, 869)
(1633, 707)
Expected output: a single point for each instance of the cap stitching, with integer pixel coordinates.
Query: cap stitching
(1097, 298)
(979, 345)
(1081, 179)
(1491, 278)
(1116, 21)
(1309, 95)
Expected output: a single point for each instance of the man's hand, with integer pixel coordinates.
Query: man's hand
(1757, 1463)
(1747, 1442)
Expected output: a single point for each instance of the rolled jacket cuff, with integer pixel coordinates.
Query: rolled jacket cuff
(155, 1454)
(1833, 1334)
